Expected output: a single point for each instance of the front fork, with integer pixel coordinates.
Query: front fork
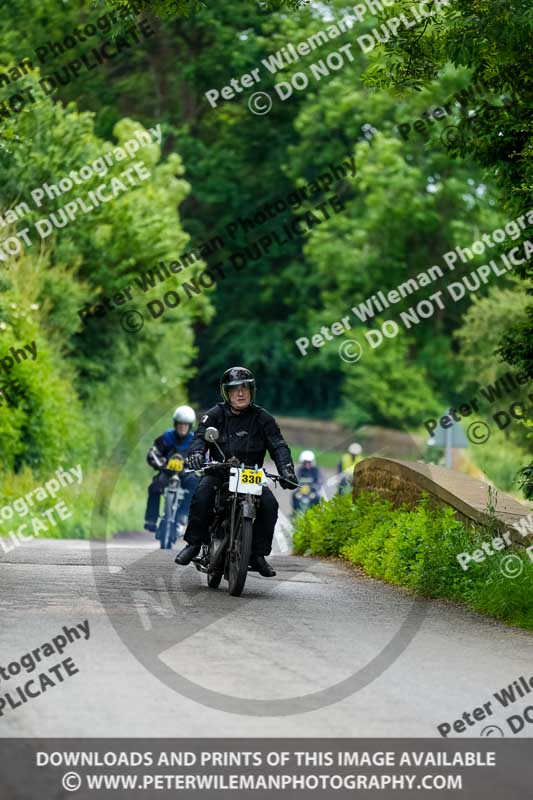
(249, 511)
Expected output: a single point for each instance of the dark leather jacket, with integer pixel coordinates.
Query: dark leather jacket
(248, 436)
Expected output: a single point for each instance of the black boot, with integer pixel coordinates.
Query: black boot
(186, 555)
(260, 564)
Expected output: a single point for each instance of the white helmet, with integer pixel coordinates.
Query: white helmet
(184, 414)
(307, 455)
(355, 449)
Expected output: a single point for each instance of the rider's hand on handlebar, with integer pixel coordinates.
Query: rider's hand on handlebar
(194, 461)
(156, 459)
(288, 479)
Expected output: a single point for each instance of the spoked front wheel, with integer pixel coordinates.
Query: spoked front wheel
(239, 558)
(168, 530)
(165, 538)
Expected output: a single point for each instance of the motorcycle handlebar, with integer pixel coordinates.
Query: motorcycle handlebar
(280, 478)
(211, 465)
(226, 464)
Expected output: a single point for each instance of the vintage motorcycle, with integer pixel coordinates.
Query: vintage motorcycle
(230, 536)
(171, 525)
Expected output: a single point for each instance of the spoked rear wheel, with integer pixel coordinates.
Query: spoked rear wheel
(240, 557)
(216, 556)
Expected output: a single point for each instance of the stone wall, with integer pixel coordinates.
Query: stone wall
(404, 482)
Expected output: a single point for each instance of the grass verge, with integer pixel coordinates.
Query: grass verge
(418, 549)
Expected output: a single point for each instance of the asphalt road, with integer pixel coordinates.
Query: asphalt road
(311, 652)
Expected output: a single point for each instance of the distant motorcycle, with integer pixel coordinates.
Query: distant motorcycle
(172, 525)
(306, 496)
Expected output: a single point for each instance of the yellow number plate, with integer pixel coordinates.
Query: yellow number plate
(305, 489)
(251, 476)
(246, 480)
(176, 464)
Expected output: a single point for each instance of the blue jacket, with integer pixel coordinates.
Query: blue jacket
(169, 442)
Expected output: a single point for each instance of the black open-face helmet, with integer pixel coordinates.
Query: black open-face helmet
(234, 376)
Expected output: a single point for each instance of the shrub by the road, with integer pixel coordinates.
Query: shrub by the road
(418, 549)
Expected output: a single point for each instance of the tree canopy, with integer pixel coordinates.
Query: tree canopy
(423, 184)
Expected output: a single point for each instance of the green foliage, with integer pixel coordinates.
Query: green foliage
(417, 549)
(501, 456)
(89, 380)
(387, 387)
(184, 8)
(47, 416)
(483, 323)
(479, 336)
(490, 39)
(410, 202)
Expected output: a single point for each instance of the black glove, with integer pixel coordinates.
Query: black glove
(194, 461)
(289, 479)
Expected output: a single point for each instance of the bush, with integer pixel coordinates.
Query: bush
(418, 549)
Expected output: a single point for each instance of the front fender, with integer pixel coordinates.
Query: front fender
(248, 509)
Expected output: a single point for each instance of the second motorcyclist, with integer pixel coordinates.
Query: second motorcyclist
(177, 439)
(308, 473)
(247, 432)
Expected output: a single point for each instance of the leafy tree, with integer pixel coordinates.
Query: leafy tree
(188, 7)
(93, 256)
(490, 38)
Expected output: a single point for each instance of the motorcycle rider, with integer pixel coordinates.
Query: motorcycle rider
(307, 472)
(247, 431)
(346, 465)
(177, 439)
